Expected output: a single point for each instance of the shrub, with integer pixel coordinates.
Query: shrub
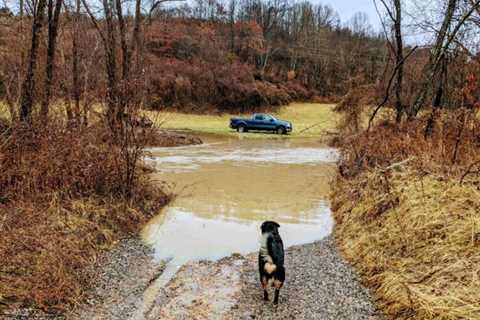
(62, 199)
(455, 141)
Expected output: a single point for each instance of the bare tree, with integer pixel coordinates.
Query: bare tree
(444, 40)
(114, 108)
(53, 17)
(231, 23)
(28, 87)
(123, 41)
(155, 5)
(136, 38)
(393, 9)
(75, 61)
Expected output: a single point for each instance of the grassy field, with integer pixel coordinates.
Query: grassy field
(308, 119)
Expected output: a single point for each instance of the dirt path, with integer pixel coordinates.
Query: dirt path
(319, 286)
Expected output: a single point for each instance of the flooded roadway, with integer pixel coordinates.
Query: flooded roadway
(227, 187)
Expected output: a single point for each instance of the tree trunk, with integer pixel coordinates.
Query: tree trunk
(28, 87)
(399, 60)
(136, 41)
(437, 56)
(123, 41)
(232, 25)
(113, 112)
(124, 94)
(22, 52)
(53, 17)
(136, 47)
(75, 68)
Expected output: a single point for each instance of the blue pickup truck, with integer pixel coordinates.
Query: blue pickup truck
(261, 122)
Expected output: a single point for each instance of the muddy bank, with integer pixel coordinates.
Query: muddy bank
(171, 138)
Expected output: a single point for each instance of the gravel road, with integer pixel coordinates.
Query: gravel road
(319, 285)
(124, 275)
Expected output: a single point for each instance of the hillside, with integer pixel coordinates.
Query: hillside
(196, 64)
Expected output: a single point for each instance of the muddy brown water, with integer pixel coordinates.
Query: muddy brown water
(227, 187)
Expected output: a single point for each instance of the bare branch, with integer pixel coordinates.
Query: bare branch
(94, 21)
(387, 91)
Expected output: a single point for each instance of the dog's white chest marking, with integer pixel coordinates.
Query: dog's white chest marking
(269, 267)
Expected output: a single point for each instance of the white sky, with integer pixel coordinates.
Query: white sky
(347, 8)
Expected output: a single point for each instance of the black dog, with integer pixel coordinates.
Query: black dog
(270, 259)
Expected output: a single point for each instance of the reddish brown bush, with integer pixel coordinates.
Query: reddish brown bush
(454, 141)
(193, 69)
(62, 199)
(41, 160)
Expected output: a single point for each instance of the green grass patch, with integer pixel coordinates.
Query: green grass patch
(308, 119)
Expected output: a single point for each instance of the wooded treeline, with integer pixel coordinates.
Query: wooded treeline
(229, 57)
(236, 55)
(443, 73)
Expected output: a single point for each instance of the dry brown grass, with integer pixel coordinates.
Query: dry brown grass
(415, 240)
(408, 218)
(62, 200)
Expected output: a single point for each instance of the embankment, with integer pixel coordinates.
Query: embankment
(63, 201)
(408, 220)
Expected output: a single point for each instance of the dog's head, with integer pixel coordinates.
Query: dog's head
(269, 226)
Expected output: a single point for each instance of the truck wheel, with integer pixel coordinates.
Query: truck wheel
(241, 128)
(281, 130)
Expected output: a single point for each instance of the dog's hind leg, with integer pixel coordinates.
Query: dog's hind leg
(277, 293)
(264, 286)
(278, 285)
